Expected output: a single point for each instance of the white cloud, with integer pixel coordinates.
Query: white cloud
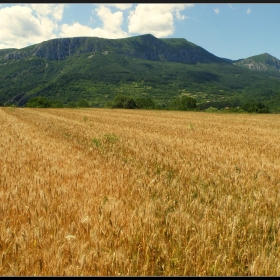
(111, 21)
(120, 6)
(111, 26)
(248, 11)
(55, 11)
(20, 27)
(78, 30)
(156, 19)
(179, 16)
(26, 24)
(216, 11)
(75, 30)
(231, 6)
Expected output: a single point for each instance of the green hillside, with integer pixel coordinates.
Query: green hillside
(263, 63)
(97, 69)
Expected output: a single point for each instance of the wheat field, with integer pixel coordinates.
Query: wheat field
(102, 192)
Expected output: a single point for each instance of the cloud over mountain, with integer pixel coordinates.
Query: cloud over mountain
(22, 25)
(26, 24)
(155, 19)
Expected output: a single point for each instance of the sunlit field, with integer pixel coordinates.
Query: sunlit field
(105, 192)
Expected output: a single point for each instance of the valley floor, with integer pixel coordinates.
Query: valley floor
(129, 192)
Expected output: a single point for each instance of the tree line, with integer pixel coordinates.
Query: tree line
(43, 102)
(184, 103)
(120, 101)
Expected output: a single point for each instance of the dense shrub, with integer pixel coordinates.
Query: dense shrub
(56, 104)
(184, 103)
(211, 109)
(71, 104)
(123, 101)
(254, 107)
(43, 102)
(38, 102)
(145, 103)
(83, 103)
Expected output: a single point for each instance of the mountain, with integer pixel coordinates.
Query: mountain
(97, 69)
(263, 63)
(145, 47)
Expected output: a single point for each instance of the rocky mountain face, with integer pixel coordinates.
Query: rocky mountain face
(59, 69)
(263, 62)
(144, 47)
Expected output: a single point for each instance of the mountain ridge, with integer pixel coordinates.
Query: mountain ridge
(97, 69)
(61, 48)
(262, 62)
(144, 46)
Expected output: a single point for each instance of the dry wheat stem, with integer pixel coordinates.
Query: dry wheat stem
(130, 192)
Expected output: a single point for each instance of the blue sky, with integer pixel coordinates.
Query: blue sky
(231, 31)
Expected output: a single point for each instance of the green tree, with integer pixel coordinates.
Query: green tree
(8, 104)
(119, 101)
(129, 103)
(187, 103)
(145, 103)
(184, 103)
(38, 102)
(71, 104)
(83, 103)
(123, 101)
(56, 104)
(254, 107)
